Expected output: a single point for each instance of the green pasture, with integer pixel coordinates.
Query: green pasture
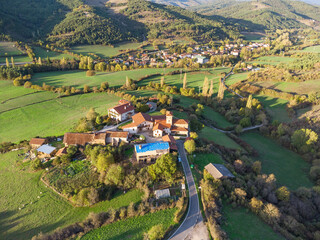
(305, 87)
(46, 213)
(194, 79)
(78, 78)
(50, 118)
(253, 37)
(218, 137)
(241, 224)
(45, 53)
(105, 51)
(237, 77)
(8, 91)
(312, 49)
(8, 49)
(16, 59)
(273, 60)
(276, 107)
(132, 228)
(288, 167)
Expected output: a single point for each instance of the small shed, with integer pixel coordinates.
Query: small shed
(37, 142)
(46, 151)
(218, 171)
(164, 193)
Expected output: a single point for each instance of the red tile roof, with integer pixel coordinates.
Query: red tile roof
(37, 141)
(123, 108)
(117, 134)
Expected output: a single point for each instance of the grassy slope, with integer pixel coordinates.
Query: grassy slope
(50, 118)
(276, 107)
(44, 214)
(313, 49)
(218, 138)
(288, 167)
(8, 49)
(104, 51)
(132, 228)
(203, 159)
(244, 225)
(79, 79)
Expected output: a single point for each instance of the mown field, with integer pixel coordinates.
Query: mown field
(132, 228)
(44, 54)
(312, 49)
(276, 107)
(288, 167)
(8, 49)
(241, 224)
(104, 51)
(50, 118)
(78, 78)
(218, 137)
(236, 78)
(42, 214)
(273, 60)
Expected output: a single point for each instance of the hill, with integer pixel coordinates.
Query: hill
(99, 22)
(266, 14)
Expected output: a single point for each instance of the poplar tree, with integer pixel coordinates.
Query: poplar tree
(7, 62)
(185, 81)
(205, 87)
(12, 62)
(249, 102)
(162, 82)
(40, 61)
(221, 90)
(211, 89)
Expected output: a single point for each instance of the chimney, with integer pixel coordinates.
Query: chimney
(140, 146)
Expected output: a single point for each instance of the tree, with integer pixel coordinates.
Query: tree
(283, 194)
(12, 62)
(104, 161)
(185, 81)
(90, 73)
(7, 62)
(115, 175)
(86, 89)
(205, 87)
(194, 135)
(221, 90)
(249, 102)
(162, 82)
(156, 232)
(165, 168)
(92, 115)
(36, 164)
(190, 146)
(211, 89)
(303, 139)
(93, 196)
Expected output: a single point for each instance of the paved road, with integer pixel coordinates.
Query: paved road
(192, 227)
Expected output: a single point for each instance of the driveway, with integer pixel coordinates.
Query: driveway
(192, 226)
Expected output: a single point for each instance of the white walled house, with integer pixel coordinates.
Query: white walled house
(123, 111)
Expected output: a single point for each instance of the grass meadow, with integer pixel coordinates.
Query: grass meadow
(273, 60)
(242, 224)
(105, 51)
(44, 53)
(78, 78)
(46, 213)
(8, 49)
(53, 117)
(312, 49)
(132, 228)
(276, 107)
(218, 137)
(203, 159)
(288, 167)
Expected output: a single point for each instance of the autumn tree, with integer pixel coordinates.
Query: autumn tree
(12, 62)
(205, 87)
(249, 102)
(7, 62)
(162, 82)
(221, 90)
(211, 89)
(185, 81)
(190, 146)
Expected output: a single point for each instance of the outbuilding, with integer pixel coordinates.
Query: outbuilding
(218, 171)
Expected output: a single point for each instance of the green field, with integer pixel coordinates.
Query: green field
(253, 37)
(16, 59)
(132, 228)
(218, 137)
(44, 53)
(276, 107)
(240, 224)
(78, 78)
(313, 49)
(105, 51)
(50, 118)
(44, 214)
(8, 49)
(194, 79)
(288, 167)
(236, 78)
(203, 159)
(305, 87)
(274, 60)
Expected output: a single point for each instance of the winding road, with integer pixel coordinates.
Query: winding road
(192, 226)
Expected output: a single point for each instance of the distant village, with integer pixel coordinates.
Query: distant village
(199, 55)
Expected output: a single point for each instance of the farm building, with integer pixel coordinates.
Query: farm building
(164, 193)
(218, 171)
(37, 142)
(151, 151)
(159, 125)
(61, 152)
(123, 111)
(95, 138)
(46, 151)
(172, 142)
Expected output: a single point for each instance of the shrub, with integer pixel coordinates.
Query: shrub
(90, 73)
(156, 232)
